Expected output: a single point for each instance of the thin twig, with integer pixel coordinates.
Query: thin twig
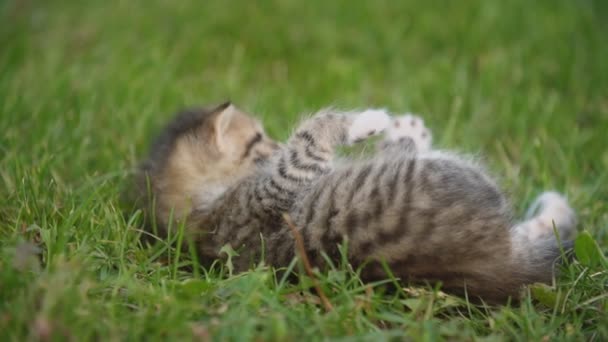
(306, 262)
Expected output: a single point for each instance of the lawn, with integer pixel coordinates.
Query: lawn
(84, 85)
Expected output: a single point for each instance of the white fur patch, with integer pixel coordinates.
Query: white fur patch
(368, 123)
(205, 199)
(410, 126)
(548, 209)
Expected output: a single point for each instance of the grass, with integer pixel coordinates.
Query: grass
(85, 84)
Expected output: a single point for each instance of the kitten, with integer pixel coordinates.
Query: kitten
(429, 215)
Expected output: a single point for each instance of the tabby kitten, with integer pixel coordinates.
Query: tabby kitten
(429, 215)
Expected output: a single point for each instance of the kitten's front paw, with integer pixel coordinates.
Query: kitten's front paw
(368, 123)
(410, 126)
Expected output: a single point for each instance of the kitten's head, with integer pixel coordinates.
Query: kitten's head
(198, 155)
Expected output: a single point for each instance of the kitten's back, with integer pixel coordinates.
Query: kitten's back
(435, 217)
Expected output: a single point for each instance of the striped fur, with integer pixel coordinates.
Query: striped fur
(431, 216)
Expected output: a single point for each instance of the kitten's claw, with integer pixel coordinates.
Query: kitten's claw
(410, 126)
(368, 123)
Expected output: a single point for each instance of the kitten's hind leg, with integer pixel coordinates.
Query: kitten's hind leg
(548, 209)
(534, 244)
(407, 132)
(309, 152)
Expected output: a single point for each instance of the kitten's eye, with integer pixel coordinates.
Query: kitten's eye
(251, 143)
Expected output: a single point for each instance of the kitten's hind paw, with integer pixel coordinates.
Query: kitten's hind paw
(551, 208)
(410, 126)
(368, 123)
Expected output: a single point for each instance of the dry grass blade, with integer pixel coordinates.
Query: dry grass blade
(306, 262)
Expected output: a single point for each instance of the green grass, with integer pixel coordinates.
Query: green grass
(85, 84)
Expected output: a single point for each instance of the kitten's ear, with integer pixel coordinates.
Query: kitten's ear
(222, 116)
